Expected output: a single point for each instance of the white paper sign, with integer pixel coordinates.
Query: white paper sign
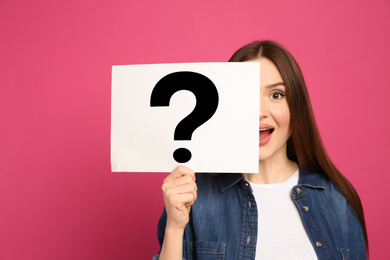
(144, 129)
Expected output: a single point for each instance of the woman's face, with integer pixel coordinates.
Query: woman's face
(274, 112)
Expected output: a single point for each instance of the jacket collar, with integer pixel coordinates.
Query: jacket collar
(228, 180)
(312, 180)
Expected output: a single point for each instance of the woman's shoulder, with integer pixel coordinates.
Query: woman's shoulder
(206, 181)
(219, 183)
(216, 189)
(319, 188)
(318, 180)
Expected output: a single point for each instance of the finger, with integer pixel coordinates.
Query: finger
(186, 188)
(183, 189)
(179, 172)
(181, 201)
(178, 182)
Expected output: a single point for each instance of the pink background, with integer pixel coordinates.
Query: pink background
(58, 198)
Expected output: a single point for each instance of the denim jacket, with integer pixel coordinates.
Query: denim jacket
(223, 219)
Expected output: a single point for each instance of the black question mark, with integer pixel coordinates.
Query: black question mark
(206, 95)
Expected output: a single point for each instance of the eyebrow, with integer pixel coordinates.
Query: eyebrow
(275, 85)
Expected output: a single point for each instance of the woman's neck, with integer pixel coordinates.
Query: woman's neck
(273, 170)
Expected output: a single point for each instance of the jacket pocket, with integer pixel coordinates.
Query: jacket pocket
(206, 250)
(344, 253)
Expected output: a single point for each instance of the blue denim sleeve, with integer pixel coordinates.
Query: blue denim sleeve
(356, 237)
(161, 231)
(161, 227)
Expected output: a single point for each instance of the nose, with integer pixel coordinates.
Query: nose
(263, 109)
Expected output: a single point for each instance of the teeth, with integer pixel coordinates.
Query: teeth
(265, 129)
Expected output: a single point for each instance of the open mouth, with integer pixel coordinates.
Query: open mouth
(265, 132)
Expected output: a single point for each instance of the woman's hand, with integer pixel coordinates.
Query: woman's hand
(180, 192)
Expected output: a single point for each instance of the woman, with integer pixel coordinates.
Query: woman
(299, 206)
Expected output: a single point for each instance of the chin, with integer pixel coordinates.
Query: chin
(264, 157)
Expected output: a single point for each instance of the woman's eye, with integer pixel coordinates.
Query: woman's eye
(277, 95)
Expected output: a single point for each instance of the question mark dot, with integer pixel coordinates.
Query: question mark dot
(182, 155)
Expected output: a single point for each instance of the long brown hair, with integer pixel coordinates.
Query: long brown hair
(304, 146)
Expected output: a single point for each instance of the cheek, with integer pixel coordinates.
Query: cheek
(287, 119)
(283, 116)
(284, 120)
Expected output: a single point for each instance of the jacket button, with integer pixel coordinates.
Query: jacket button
(250, 204)
(318, 244)
(298, 190)
(248, 239)
(305, 208)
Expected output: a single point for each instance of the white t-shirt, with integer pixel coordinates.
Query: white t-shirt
(281, 234)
